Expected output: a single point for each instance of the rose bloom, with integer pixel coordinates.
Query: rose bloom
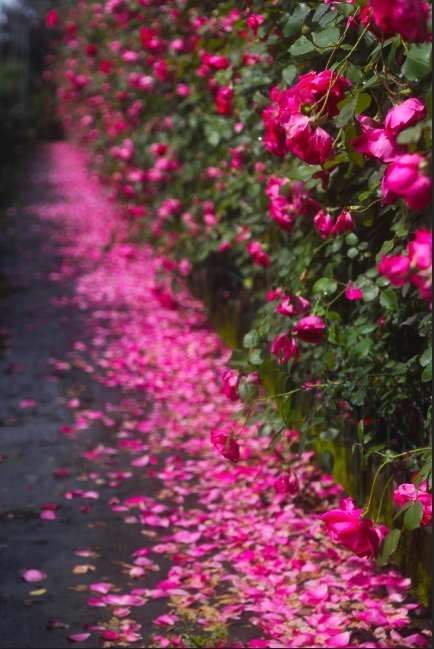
(258, 254)
(420, 250)
(403, 115)
(225, 445)
(343, 224)
(310, 329)
(353, 293)
(375, 141)
(406, 179)
(323, 223)
(346, 526)
(254, 21)
(223, 100)
(410, 493)
(311, 144)
(409, 18)
(284, 347)
(231, 381)
(396, 268)
(51, 19)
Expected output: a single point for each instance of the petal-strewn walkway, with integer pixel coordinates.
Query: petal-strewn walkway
(138, 526)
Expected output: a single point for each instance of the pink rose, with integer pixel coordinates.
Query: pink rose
(396, 268)
(420, 250)
(284, 348)
(258, 254)
(410, 493)
(323, 223)
(346, 526)
(286, 483)
(325, 89)
(405, 493)
(403, 115)
(375, 142)
(353, 293)
(409, 18)
(51, 19)
(215, 61)
(223, 100)
(343, 224)
(254, 21)
(310, 329)
(225, 445)
(405, 178)
(309, 143)
(285, 307)
(274, 294)
(425, 500)
(231, 381)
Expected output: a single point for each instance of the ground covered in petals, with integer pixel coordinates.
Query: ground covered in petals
(202, 550)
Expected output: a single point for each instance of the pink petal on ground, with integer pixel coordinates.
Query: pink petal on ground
(101, 587)
(339, 640)
(79, 637)
(167, 619)
(110, 635)
(124, 600)
(27, 403)
(33, 575)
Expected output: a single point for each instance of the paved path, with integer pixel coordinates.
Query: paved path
(36, 331)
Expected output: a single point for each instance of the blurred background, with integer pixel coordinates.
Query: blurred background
(26, 101)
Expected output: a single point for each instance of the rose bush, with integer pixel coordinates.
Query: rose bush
(289, 144)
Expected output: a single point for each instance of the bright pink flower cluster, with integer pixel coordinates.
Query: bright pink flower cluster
(347, 526)
(415, 267)
(288, 130)
(406, 175)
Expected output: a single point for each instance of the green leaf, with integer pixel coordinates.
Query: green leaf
(426, 357)
(418, 62)
(389, 299)
(296, 20)
(326, 286)
(255, 357)
(410, 135)
(370, 292)
(363, 348)
(328, 37)
(247, 391)
(301, 47)
(320, 13)
(427, 373)
(413, 516)
(289, 74)
(347, 109)
(352, 239)
(389, 547)
(363, 102)
(250, 340)
(350, 106)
